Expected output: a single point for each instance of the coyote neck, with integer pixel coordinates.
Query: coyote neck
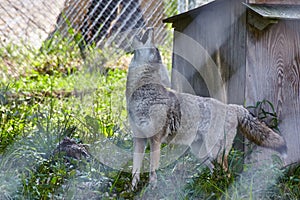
(141, 75)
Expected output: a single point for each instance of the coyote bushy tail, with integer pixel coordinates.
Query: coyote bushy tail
(258, 132)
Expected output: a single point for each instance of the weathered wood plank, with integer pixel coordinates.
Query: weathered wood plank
(235, 58)
(200, 66)
(272, 12)
(220, 31)
(287, 2)
(273, 73)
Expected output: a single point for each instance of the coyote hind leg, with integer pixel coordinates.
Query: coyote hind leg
(230, 131)
(223, 160)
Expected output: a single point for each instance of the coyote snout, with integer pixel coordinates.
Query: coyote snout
(159, 114)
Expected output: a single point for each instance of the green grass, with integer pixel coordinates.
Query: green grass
(49, 93)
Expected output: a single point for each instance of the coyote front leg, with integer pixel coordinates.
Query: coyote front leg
(138, 155)
(155, 144)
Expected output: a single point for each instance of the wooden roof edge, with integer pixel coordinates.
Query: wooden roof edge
(288, 7)
(275, 2)
(276, 11)
(188, 13)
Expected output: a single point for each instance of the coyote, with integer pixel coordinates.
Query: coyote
(160, 114)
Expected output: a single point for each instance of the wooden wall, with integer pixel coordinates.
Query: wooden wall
(253, 64)
(214, 28)
(273, 73)
(220, 29)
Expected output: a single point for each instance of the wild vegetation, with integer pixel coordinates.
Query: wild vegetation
(51, 93)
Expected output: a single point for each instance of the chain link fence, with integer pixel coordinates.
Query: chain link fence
(98, 22)
(28, 21)
(185, 5)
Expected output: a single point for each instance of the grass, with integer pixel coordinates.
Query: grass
(50, 93)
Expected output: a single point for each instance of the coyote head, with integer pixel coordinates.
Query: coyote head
(146, 65)
(145, 51)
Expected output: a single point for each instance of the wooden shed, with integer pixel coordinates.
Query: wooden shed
(243, 51)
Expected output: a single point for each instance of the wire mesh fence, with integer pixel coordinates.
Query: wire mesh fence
(97, 22)
(27, 21)
(184, 5)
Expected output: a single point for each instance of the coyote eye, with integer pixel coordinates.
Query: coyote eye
(149, 55)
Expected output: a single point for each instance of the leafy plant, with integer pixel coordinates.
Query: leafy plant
(265, 111)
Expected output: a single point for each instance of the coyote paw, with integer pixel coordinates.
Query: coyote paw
(153, 180)
(134, 182)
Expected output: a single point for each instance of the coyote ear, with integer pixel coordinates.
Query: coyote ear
(136, 43)
(149, 37)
